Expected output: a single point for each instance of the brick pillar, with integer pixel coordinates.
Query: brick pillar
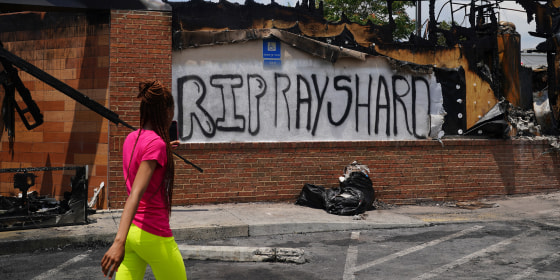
(140, 50)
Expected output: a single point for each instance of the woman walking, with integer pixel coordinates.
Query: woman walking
(144, 235)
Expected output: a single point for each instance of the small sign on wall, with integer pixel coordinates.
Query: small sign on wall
(272, 63)
(271, 49)
(272, 53)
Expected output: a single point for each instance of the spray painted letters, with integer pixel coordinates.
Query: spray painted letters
(332, 104)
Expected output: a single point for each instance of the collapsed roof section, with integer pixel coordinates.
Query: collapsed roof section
(546, 15)
(304, 20)
(325, 51)
(199, 23)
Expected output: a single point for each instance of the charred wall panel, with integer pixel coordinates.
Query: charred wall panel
(454, 98)
(526, 87)
(34, 210)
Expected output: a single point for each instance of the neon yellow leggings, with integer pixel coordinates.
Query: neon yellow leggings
(161, 253)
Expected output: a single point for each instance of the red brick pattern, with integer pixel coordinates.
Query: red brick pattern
(74, 48)
(402, 172)
(140, 50)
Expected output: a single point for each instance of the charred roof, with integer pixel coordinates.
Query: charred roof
(305, 20)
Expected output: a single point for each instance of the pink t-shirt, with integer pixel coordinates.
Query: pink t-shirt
(152, 215)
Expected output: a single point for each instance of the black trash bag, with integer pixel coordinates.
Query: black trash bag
(354, 196)
(312, 196)
(362, 183)
(345, 203)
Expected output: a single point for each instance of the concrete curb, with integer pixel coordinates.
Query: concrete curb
(242, 254)
(210, 232)
(31, 245)
(311, 227)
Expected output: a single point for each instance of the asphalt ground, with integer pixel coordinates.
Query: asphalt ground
(212, 222)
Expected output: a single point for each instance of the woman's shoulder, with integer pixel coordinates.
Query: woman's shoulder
(132, 136)
(151, 137)
(144, 136)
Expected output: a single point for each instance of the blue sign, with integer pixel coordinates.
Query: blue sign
(272, 63)
(271, 48)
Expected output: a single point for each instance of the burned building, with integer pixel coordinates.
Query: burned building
(271, 97)
(483, 59)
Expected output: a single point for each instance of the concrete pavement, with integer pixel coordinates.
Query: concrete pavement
(207, 222)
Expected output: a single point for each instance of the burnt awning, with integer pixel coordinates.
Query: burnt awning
(193, 39)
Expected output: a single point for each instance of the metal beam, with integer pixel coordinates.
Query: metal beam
(62, 87)
(70, 92)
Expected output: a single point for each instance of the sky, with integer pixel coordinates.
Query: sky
(509, 11)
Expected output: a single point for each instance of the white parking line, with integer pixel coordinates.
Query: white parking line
(351, 257)
(51, 273)
(551, 224)
(410, 250)
(525, 274)
(477, 254)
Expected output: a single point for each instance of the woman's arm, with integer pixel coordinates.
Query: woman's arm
(114, 256)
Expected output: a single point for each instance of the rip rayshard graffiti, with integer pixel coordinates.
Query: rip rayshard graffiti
(304, 99)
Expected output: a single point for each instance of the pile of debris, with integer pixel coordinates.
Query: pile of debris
(523, 122)
(32, 210)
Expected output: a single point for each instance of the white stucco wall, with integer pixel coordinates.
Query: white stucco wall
(228, 93)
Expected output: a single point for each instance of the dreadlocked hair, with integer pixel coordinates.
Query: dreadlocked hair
(156, 101)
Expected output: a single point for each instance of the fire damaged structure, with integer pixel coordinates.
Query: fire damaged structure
(34, 210)
(269, 98)
(478, 66)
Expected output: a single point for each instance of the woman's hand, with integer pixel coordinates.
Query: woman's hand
(112, 259)
(174, 144)
(115, 255)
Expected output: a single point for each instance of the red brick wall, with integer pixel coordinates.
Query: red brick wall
(403, 172)
(72, 47)
(140, 50)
